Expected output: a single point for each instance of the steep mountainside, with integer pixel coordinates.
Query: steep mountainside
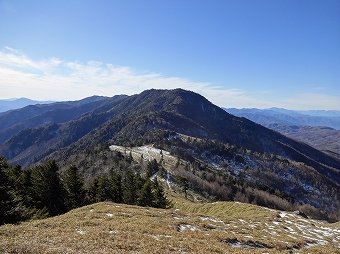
(289, 117)
(324, 139)
(139, 117)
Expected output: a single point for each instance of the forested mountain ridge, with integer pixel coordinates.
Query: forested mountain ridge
(220, 139)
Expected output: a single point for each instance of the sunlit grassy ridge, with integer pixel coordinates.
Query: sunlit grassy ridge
(187, 228)
(223, 210)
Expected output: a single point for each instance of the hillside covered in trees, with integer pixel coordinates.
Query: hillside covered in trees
(44, 191)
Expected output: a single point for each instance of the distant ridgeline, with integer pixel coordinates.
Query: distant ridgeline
(317, 128)
(10, 104)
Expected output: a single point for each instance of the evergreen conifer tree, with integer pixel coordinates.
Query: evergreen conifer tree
(7, 205)
(129, 189)
(92, 192)
(151, 168)
(24, 194)
(104, 189)
(116, 188)
(74, 188)
(184, 183)
(160, 200)
(47, 189)
(145, 196)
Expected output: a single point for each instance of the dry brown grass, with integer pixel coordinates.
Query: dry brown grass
(186, 228)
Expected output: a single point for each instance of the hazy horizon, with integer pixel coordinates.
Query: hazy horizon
(268, 108)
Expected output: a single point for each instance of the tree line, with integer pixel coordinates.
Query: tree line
(44, 191)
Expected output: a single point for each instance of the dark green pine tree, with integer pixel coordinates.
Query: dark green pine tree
(116, 188)
(104, 189)
(7, 204)
(151, 168)
(92, 191)
(139, 183)
(23, 196)
(129, 189)
(159, 198)
(47, 188)
(184, 184)
(24, 187)
(145, 195)
(73, 184)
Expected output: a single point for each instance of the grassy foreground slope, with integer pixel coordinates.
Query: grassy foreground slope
(222, 227)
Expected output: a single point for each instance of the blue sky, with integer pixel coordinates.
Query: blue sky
(237, 53)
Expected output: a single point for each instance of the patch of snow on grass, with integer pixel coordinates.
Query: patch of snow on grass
(282, 214)
(211, 219)
(183, 227)
(157, 237)
(79, 231)
(320, 242)
(242, 221)
(154, 237)
(242, 244)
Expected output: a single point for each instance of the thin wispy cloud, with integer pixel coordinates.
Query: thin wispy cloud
(43, 79)
(54, 78)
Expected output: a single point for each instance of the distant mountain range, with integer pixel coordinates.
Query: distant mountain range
(289, 117)
(10, 104)
(318, 128)
(186, 125)
(14, 121)
(322, 138)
